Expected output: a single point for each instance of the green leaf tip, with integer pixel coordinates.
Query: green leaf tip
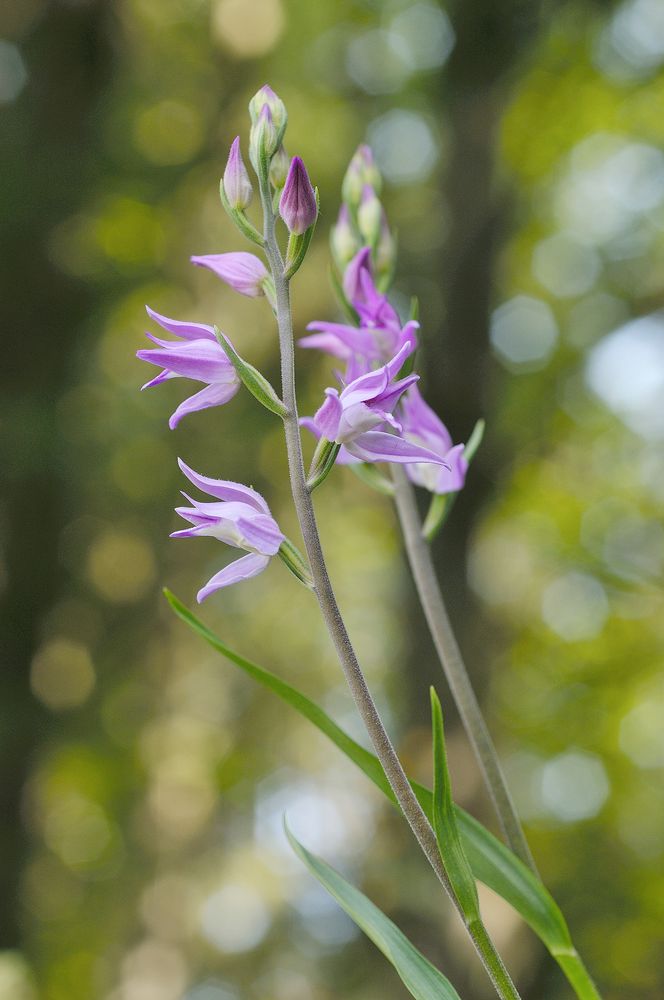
(445, 825)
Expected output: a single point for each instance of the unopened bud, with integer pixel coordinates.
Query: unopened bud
(369, 215)
(361, 171)
(279, 168)
(263, 139)
(237, 186)
(344, 239)
(266, 97)
(385, 254)
(297, 205)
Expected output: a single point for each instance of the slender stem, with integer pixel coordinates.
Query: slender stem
(421, 564)
(394, 772)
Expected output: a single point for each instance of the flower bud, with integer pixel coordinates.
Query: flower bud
(361, 171)
(237, 186)
(263, 139)
(279, 168)
(344, 239)
(297, 205)
(266, 97)
(369, 215)
(385, 254)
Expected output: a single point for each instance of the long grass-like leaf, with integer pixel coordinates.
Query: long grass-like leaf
(491, 861)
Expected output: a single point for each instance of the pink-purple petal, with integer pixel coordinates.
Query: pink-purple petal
(225, 489)
(379, 446)
(212, 395)
(242, 569)
(241, 270)
(262, 533)
(189, 331)
(328, 416)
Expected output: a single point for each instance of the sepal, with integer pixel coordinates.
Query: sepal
(251, 378)
(298, 245)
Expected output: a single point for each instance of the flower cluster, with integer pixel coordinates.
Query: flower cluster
(377, 414)
(363, 250)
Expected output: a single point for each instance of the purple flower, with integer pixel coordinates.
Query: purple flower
(297, 205)
(351, 417)
(380, 334)
(423, 427)
(360, 346)
(237, 186)
(239, 517)
(196, 355)
(242, 271)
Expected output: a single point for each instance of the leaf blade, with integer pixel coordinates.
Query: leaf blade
(422, 979)
(491, 862)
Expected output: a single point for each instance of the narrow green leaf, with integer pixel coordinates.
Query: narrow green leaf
(445, 823)
(491, 861)
(251, 378)
(419, 976)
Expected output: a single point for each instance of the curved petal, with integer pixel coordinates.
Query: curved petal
(420, 419)
(190, 331)
(326, 342)
(241, 569)
(197, 359)
(212, 395)
(379, 446)
(158, 379)
(225, 489)
(261, 533)
(329, 414)
(241, 270)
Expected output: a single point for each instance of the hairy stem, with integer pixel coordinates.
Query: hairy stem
(421, 564)
(394, 772)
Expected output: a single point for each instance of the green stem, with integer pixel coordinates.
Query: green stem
(426, 582)
(492, 960)
(394, 772)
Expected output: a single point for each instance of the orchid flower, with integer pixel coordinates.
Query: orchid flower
(351, 417)
(423, 427)
(380, 334)
(196, 355)
(240, 517)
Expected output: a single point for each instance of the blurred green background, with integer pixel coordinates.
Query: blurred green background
(142, 781)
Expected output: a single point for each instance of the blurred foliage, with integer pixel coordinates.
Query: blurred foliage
(143, 783)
